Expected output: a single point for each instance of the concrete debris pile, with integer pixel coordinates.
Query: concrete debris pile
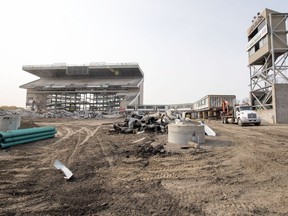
(66, 114)
(30, 114)
(82, 114)
(21, 112)
(157, 122)
(58, 114)
(6, 113)
(148, 149)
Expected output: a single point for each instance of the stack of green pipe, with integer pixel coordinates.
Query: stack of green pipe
(22, 136)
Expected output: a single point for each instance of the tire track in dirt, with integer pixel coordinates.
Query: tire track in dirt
(89, 134)
(181, 168)
(190, 192)
(69, 133)
(79, 143)
(247, 160)
(174, 167)
(233, 207)
(171, 158)
(84, 134)
(25, 199)
(27, 202)
(91, 148)
(187, 191)
(105, 148)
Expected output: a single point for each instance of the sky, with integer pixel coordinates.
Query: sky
(187, 49)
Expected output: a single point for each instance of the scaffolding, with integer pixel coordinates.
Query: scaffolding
(271, 67)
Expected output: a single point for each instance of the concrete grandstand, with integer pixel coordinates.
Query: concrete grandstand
(97, 86)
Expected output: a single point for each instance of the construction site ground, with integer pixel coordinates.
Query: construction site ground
(241, 171)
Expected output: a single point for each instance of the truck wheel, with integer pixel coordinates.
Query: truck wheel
(240, 122)
(257, 124)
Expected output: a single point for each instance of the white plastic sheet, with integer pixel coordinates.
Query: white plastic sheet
(65, 170)
(208, 130)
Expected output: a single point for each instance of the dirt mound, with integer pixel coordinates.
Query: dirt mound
(28, 123)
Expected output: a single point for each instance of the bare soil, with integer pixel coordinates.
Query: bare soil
(241, 171)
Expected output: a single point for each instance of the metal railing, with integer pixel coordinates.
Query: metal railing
(56, 65)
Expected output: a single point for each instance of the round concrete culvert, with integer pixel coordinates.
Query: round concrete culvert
(9, 122)
(184, 133)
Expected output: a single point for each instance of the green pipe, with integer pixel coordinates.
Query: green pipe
(22, 132)
(6, 145)
(18, 138)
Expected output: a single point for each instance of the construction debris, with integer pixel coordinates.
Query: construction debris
(64, 169)
(83, 114)
(148, 149)
(5, 113)
(193, 145)
(208, 130)
(137, 123)
(137, 141)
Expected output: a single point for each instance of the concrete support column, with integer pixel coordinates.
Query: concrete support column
(204, 114)
(210, 113)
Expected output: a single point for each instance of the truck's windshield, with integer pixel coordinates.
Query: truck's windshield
(246, 108)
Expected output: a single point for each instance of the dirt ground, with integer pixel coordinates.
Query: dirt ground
(241, 171)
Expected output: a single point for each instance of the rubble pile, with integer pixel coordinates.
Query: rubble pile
(6, 113)
(157, 122)
(149, 149)
(65, 114)
(58, 114)
(82, 114)
(30, 114)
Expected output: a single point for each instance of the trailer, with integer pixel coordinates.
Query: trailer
(210, 106)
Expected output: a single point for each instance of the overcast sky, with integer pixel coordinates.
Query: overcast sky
(186, 48)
